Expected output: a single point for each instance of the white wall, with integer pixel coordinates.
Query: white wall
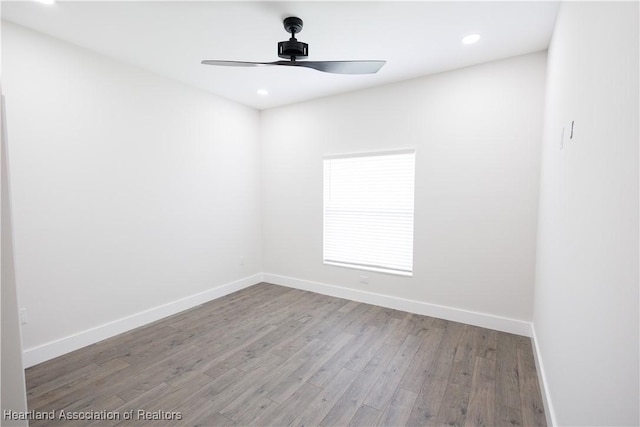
(129, 190)
(13, 395)
(477, 135)
(586, 299)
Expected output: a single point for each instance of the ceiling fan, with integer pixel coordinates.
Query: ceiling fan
(292, 50)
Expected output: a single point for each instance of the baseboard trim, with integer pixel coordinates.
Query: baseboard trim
(542, 379)
(489, 321)
(50, 350)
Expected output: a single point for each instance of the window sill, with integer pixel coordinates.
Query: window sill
(370, 268)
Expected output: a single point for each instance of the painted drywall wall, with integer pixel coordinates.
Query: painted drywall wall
(586, 298)
(476, 132)
(13, 395)
(129, 190)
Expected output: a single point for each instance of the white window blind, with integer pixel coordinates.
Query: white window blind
(368, 211)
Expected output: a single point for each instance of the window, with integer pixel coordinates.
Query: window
(368, 211)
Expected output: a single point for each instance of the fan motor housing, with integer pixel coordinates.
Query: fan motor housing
(293, 48)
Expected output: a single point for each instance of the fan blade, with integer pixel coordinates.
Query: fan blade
(338, 67)
(236, 63)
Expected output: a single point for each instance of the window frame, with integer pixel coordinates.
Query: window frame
(365, 267)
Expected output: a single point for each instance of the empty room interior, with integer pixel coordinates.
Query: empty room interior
(320, 213)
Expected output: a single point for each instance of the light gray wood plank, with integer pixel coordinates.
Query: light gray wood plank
(177, 401)
(418, 369)
(365, 416)
(399, 408)
(456, 399)
(62, 397)
(318, 408)
(486, 344)
(212, 419)
(507, 416)
(365, 353)
(199, 403)
(386, 385)
(219, 355)
(532, 406)
(507, 373)
(141, 401)
(339, 360)
(289, 384)
(246, 385)
(264, 384)
(482, 399)
(324, 327)
(61, 380)
(285, 413)
(431, 396)
(344, 409)
(256, 410)
(349, 306)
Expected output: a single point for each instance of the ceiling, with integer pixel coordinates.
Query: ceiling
(171, 38)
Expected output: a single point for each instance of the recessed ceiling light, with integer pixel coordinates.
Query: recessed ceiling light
(262, 92)
(46, 1)
(470, 39)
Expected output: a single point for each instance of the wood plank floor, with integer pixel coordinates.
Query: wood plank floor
(269, 355)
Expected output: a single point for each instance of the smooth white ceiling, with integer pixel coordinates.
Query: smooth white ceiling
(171, 38)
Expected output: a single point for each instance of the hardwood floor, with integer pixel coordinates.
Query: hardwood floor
(270, 355)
